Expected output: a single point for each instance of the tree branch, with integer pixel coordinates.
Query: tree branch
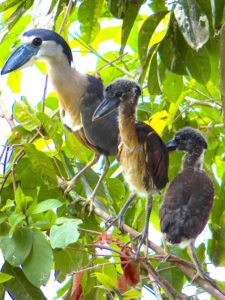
(186, 267)
(203, 103)
(222, 64)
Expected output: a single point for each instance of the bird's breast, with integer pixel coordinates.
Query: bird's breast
(71, 121)
(132, 161)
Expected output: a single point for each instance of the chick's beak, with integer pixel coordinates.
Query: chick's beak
(105, 108)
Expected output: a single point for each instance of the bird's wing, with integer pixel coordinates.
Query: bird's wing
(156, 154)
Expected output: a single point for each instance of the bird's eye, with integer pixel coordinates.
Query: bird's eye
(118, 94)
(37, 42)
(177, 138)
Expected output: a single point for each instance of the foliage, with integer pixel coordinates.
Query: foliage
(173, 52)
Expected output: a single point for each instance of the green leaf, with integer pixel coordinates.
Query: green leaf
(218, 12)
(13, 81)
(14, 220)
(70, 259)
(198, 64)
(16, 248)
(145, 34)
(116, 188)
(51, 127)
(46, 205)
(173, 49)
(88, 14)
(106, 281)
(42, 164)
(153, 82)
(19, 287)
(193, 23)
(117, 8)
(129, 19)
(9, 3)
(24, 114)
(21, 200)
(131, 294)
(37, 266)
(63, 235)
(5, 277)
(172, 86)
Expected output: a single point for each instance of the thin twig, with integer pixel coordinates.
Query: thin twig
(69, 6)
(91, 49)
(106, 248)
(101, 265)
(110, 63)
(6, 115)
(169, 289)
(89, 231)
(186, 267)
(203, 103)
(44, 93)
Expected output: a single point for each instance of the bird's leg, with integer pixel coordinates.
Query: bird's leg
(90, 199)
(122, 212)
(71, 183)
(144, 237)
(166, 249)
(200, 272)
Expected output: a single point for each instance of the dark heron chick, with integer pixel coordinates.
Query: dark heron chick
(79, 95)
(188, 200)
(142, 154)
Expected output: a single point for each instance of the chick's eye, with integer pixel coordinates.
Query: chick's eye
(37, 42)
(177, 138)
(118, 94)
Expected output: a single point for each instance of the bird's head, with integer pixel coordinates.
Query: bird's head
(118, 92)
(38, 44)
(187, 139)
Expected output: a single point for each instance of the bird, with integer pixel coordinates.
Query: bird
(188, 199)
(142, 153)
(79, 95)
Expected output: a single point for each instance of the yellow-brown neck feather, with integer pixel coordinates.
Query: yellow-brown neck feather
(127, 126)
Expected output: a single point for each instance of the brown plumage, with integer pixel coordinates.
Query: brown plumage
(189, 197)
(142, 154)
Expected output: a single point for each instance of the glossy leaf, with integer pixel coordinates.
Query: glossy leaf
(42, 163)
(145, 34)
(88, 15)
(192, 22)
(46, 205)
(16, 248)
(40, 259)
(198, 64)
(217, 12)
(128, 20)
(19, 287)
(64, 234)
(4, 277)
(173, 49)
(25, 115)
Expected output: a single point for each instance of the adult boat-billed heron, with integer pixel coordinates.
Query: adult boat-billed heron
(79, 94)
(189, 197)
(142, 154)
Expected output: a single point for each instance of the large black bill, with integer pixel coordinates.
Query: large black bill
(171, 145)
(19, 58)
(105, 107)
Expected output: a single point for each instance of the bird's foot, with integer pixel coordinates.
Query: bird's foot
(87, 202)
(204, 275)
(144, 239)
(165, 258)
(113, 220)
(69, 185)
